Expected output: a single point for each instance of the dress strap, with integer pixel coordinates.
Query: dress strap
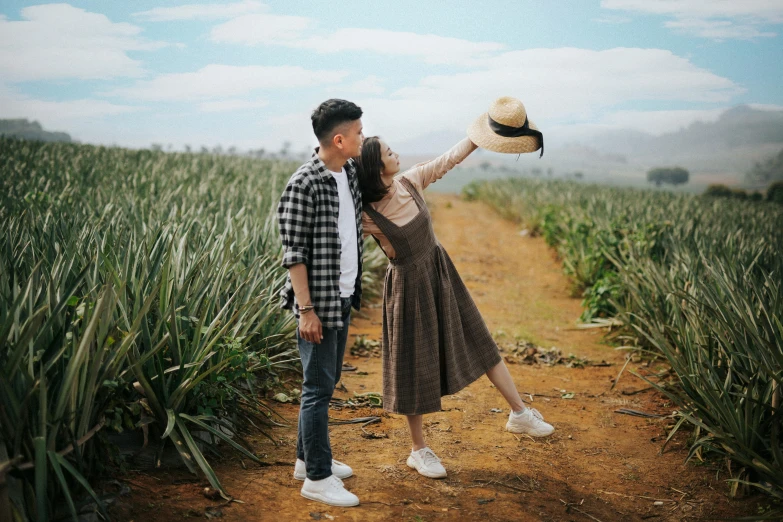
(388, 228)
(413, 192)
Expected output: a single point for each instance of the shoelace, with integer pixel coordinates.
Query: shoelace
(335, 484)
(536, 414)
(429, 457)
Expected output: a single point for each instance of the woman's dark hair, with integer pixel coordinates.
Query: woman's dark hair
(331, 113)
(369, 167)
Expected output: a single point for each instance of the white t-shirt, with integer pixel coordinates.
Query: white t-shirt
(346, 222)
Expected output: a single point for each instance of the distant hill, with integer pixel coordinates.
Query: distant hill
(739, 127)
(30, 130)
(765, 172)
(723, 151)
(729, 146)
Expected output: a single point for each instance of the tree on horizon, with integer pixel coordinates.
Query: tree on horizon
(671, 175)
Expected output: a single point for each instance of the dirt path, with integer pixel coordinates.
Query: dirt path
(598, 465)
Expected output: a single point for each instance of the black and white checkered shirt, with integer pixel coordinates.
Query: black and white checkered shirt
(307, 216)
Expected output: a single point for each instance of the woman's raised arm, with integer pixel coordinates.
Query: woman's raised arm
(425, 173)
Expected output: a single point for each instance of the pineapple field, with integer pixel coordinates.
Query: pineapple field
(695, 280)
(139, 294)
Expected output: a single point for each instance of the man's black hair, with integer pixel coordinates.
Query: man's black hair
(331, 113)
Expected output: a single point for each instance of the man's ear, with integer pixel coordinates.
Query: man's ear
(337, 140)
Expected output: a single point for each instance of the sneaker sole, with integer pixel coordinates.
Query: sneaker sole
(511, 429)
(302, 477)
(319, 498)
(424, 474)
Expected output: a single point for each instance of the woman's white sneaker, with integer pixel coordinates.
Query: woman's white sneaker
(426, 463)
(329, 491)
(340, 470)
(530, 422)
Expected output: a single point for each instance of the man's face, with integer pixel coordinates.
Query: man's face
(350, 139)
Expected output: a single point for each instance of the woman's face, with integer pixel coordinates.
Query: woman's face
(390, 159)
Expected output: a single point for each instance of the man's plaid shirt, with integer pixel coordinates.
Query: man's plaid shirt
(307, 216)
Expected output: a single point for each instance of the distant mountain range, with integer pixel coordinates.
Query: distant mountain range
(30, 130)
(725, 149)
(739, 127)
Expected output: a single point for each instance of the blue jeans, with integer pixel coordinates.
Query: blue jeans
(321, 365)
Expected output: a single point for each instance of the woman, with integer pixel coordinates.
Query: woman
(434, 340)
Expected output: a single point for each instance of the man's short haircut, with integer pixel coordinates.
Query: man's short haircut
(330, 114)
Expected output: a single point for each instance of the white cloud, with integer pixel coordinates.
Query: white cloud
(430, 48)
(304, 33)
(263, 29)
(660, 122)
(59, 115)
(232, 105)
(766, 107)
(564, 88)
(767, 10)
(58, 41)
(719, 29)
(558, 86)
(295, 127)
(225, 81)
(715, 19)
(370, 85)
(200, 11)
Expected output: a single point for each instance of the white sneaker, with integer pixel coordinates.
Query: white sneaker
(530, 422)
(339, 470)
(426, 463)
(329, 491)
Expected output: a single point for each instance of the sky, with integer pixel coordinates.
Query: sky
(248, 73)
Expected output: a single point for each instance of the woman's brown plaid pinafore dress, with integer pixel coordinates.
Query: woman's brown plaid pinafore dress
(435, 341)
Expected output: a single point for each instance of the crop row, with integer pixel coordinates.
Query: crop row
(693, 279)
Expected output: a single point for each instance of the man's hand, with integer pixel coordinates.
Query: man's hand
(309, 323)
(310, 328)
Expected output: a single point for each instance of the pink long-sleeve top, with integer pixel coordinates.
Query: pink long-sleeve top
(398, 205)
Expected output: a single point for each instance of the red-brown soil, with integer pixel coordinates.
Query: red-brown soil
(598, 465)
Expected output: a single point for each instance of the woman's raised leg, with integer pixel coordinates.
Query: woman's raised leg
(521, 419)
(501, 378)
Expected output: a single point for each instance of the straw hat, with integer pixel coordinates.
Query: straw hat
(505, 128)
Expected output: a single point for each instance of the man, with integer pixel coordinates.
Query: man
(321, 229)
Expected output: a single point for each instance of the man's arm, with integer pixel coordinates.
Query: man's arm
(295, 214)
(309, 323)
